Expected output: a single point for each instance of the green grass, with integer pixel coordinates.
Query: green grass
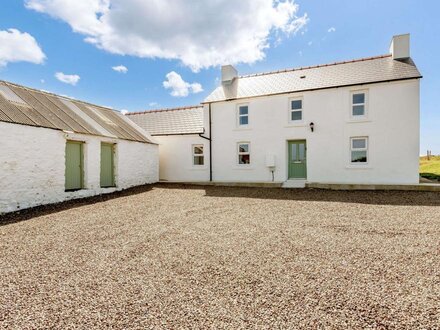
(430, 169)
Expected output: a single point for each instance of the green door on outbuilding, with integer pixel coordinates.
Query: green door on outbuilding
(107, 165)
(74, 165)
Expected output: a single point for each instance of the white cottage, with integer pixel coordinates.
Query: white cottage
(54, 148)
(351, 122)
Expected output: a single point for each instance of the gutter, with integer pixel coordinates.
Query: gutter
(210, 142)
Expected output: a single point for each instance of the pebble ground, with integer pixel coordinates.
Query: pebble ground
(177, 257)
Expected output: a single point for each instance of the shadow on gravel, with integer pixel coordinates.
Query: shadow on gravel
(376, 197)
(71, 204)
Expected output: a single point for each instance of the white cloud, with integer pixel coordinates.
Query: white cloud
(153, 104)
(179, 87)
(120, 68)
(124, 112)
(205, 34)
(332, 29)
(310, 43)
(71, 79)
(19, 46)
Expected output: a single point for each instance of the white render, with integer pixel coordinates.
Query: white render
(399, 47)
(32, 165)
(391, 125)
(176, 161)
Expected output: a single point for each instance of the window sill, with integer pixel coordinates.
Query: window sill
(293, 124)
(356, 121)
(359, 167)
(243, 167)
(198, 168)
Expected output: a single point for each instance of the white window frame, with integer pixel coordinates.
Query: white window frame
(359, 149)
(243, 153)
(365, 104)
(239, 115)
(291, 121)
(193, 154)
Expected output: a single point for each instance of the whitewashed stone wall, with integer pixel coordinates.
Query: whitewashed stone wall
(32, 166)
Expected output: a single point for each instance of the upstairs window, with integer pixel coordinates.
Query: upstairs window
(198, 155)
(243, 115)
(244, 155)
(359, 150)
(358, 104)
(296, 110)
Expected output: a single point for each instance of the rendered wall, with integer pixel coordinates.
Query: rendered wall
(32, 165)
(392, 127)
(176, 158)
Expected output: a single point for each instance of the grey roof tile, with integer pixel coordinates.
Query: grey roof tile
(361, 71)
(177, 121)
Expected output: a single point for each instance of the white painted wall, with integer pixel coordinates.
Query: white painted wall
(32, 165)
(175, 158)
(392, 127)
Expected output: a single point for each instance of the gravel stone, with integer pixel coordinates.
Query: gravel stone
(180, 256)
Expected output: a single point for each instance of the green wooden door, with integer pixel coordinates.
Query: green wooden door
(107, 172)
(74, 165)
(297, 159)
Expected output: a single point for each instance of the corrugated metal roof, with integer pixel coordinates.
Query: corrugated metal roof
(22, 105)
(176, 121)
(361, 71)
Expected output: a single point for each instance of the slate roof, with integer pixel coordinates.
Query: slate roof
(361, 71)
(176, 121)
(26, 106)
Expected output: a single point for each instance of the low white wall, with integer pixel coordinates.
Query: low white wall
(32, 166)
(392, 127)
(176, 158)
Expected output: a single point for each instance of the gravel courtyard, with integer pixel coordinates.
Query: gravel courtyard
(173, 256)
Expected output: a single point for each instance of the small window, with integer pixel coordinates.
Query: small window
(198, 155)
(296, 113)
(243, 115)
(359, 150)
(358, 104)
(244, 155)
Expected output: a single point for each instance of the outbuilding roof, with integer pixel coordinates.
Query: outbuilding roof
(355, 72)
(26, 106)
(175, 121)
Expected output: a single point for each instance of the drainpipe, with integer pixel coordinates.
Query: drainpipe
(210, 142)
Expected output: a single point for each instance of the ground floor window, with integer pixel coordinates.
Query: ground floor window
(198, 155)
(244, 154)
(359, 150)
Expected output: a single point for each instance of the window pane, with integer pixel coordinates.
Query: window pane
(296, 104)
(198, 150)
(294, 152)
(243, 110)
(199, 160)
(358, 98)
(302, 151)
(244, 159)
(243, 148)
(296, 115)
(358, 110)
(359, 156)
(244, 120)
(359, 143)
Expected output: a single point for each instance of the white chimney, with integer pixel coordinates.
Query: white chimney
(229, 73)
(399, 47)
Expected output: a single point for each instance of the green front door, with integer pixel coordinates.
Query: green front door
(74, 165)
(297, 159)
(107, 172)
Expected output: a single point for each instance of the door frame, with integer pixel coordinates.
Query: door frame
(288, 158)
(112, 146)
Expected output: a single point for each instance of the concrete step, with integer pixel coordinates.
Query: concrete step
(298, 183)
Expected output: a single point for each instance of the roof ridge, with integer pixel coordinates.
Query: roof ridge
(189, 107)
(315, 66)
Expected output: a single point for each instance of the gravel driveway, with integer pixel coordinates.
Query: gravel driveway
(171, 256)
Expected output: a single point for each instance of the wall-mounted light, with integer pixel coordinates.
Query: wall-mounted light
(312, 126)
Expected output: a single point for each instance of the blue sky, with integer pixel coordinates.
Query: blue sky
(332, 31)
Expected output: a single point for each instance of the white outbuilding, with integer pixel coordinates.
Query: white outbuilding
(54, 148)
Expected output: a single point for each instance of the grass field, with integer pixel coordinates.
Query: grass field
(430, 169)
